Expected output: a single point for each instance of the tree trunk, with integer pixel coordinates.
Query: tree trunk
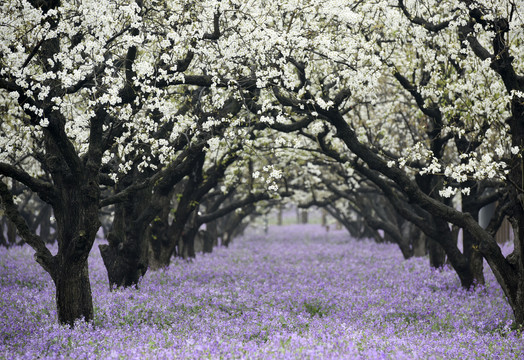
(437, 255)
(419, 245)
(342, 221)
(208, 242)
(76, 210)
(405, 248)
(166, 240)
(509, 271)
(188, 237)
(233, 225)
(416, 238)
(45, 225)
(126, 255)
(304, 216)
(11, 233)
(3, 241)
(212, 232)
(160, 260)
(125, 260)
(443, 244)
(515, 291)
(123, 269)
(448, 247)
(73, 293)
(163, 242)
(280, 215)
(471, 249)
(77, 225)
(476, 261)
(392, 234)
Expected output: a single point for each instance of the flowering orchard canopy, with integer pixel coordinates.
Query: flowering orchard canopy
(403, 73)
(391, 63)
(117, 60)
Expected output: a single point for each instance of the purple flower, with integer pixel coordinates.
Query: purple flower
(297, 292)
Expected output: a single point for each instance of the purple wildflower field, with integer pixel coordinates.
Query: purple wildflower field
(298, 292)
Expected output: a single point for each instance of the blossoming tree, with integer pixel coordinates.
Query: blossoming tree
(85, 88)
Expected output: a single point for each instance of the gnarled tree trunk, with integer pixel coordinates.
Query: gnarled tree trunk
(73, 292)
(76, 215)
(163, 238)
(471, 248)
(126, 255)
(437, 255)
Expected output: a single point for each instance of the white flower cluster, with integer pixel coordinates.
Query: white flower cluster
(268, 175)
(477, 169)
(316, 127)
(419, 153)
(449, 191)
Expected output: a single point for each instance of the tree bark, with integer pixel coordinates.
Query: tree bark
(417, 238)
(45, 225)
(73, 292)
(163, 239)
(437, 255)
(207, 241)
(77, 224)
(280, 220)
(515, 289)
(3, 241)
(188, 235)
(471, 248)
(392, 233)
(419, 245)
(233, 225)
(304, 216)
(166, 239)
(188, 238)
(141, 236)
(212, 232)
(126, 255)
(11, 233)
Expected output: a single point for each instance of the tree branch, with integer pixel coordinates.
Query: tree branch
(421, 21)
(44, 189)
(129, 191)
(250, 199)
(42, 254)
(215, 35)
(433, 112)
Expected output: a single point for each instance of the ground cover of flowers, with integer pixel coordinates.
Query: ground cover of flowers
(297, 292)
